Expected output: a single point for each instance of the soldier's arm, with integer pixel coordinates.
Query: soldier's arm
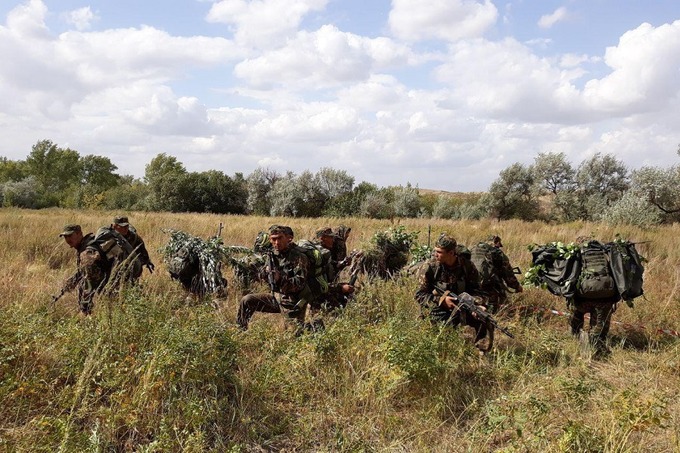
(426, 285)
(71, 283)
(509, 276)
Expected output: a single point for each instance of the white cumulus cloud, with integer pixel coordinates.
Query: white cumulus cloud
(548, 20)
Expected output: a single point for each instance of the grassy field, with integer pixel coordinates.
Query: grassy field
(153, 370)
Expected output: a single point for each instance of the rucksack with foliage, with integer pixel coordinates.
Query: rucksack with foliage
(116, 250)
(262, 243)
(196, 262)
(319, 259)
(555, 266)
(591, 271)
(488, 261)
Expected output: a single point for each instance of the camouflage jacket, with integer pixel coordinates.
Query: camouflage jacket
(293, 267)
(137, 244)
(461, 277)
(505, 272)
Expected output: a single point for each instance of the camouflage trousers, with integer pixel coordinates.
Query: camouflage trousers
(293, 313)
(322, 306)
(600, 320)
(455, 318)
(93, 279)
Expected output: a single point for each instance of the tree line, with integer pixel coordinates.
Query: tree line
(601, 188)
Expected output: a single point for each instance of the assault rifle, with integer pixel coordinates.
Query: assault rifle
(466, 302)
(270, 273)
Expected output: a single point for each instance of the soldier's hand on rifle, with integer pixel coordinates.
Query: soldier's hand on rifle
(151, 267)
(449, 302)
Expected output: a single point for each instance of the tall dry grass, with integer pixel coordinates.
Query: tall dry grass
(154, 371)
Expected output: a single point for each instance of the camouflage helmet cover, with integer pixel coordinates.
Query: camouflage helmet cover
(281, 229)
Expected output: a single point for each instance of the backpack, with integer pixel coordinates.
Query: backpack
(595, 280)
(558, 273)
(262, 244)
(486, 259)
(113, 246)
(627, 269)
(319, 259)
(183, 265)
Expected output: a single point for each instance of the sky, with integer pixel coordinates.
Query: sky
(439, 94)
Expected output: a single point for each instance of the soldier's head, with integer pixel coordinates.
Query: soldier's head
(72, 234)
(495, 240)
(326, 237)
(121, 225)
(445, 249)
(343, 232)
(280, 236)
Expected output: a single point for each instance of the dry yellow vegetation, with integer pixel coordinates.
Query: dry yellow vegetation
(155, 371)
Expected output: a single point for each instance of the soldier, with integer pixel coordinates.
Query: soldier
(338, 293)
(93, 266)
(287, 273)
(443, 277)
(122, 225)
(497, 276)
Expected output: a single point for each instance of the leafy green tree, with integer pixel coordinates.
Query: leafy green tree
(333, 183)
(130, 194)
(445, 207)
(406, 201)
(54, 168)
(163, 174)
(553, 173)
(511, 195)
(601, 181)
(21, 194)
(258, 185)
(98, 172)
(660, 188)
(12, 170)
(285, 197)
(631, 209)
(378, 204)
(349, 204)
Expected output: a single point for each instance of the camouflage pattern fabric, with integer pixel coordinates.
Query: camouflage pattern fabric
(600, 320)
(140, 251)
(92, 273)
(292, 291)
(461, 277)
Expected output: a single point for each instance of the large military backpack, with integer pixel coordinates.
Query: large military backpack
(319, 259)
(596, 280)
(627, 269)
(487, 260)
(113, 246)
(184, 266)
(262, 243)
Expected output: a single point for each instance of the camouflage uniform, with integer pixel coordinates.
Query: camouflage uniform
(497, 290)
(291, 291)
(138, 246)
(93, 270)
(459, 278)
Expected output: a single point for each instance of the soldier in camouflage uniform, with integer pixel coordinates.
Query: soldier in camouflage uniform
(93, 267)
(288, 268)
(338, 293)
(453, 273)
(122, 225)
(497, 290)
